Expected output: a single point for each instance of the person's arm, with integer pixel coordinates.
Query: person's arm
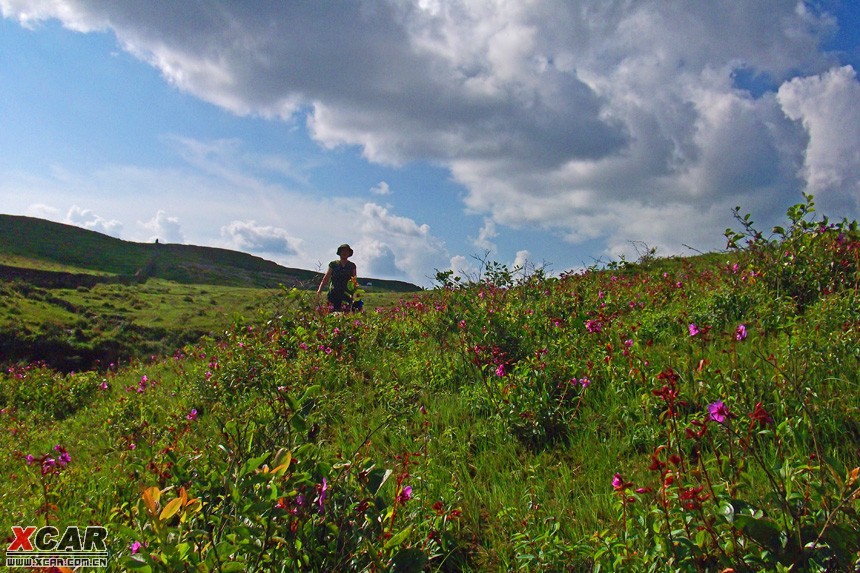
(325, 280)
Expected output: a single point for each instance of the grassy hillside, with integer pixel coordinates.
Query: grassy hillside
(45, 245)
(76, 299)
(686, 415)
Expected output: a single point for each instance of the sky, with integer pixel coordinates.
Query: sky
(429, 134)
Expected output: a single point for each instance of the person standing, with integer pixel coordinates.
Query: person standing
(340, 274)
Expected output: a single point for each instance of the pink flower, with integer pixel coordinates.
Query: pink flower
(618, 482)
(405, 494)
(694, 330)
(103, 385)
(500, 371)
(30, 459)
(584, 382)
(192, 415)
(718, 412)
(135, 547)
(741, 332)
(322, 489)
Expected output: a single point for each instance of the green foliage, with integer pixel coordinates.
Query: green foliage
(673, 415)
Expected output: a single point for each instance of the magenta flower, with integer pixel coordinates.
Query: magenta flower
(741, 332)
(718, 412)
(192, 415)
(405, 494)
(103, 385)
(694, 330)
(322, 489)
(618, 482)
(64, 457)
(30, 459)
(500, 371)
(135, 547)
(584, 382)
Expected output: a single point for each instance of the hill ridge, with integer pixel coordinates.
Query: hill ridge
(39, 247)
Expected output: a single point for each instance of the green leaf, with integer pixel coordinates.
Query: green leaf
(312, 391)
(137, 565)
(252, 464)
(376, 479)
(763, 531)
(170, 509)
(233, 566)
(398, 538)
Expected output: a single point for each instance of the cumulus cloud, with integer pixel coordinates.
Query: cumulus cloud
(397, 247)
(381, 188)
(163, 228)
(593, 119)
(828, 107)
(484, 240)
(248, 236)
(89, 220)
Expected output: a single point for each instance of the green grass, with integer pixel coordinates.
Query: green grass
(541, 424)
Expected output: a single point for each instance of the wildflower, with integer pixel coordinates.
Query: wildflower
(741, 332)
(584, 382)
(192, 415)
(64, 457)
(322, 489)
(692, 497)
(405, 494)
(618, 483)
(30, 459)
(593, 326)
(718, 412)
(135, 547)
(694, 330)
(759, 415)
(104, 385)
(500, 371)
(48, 465)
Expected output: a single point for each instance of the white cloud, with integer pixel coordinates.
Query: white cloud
(828, 107)
(381, 188)
(43, 211)
(164, 228)
(394, 246)
(249, 237)
(89, 220)
(596, 120)
(522, 261)
(484, 240)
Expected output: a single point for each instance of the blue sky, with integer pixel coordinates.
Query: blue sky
(428, 133)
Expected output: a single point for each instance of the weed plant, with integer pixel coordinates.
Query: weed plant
(692, 414)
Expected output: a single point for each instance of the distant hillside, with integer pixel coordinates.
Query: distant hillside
(54, 251)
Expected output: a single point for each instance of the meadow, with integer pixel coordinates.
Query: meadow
(689, 414)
